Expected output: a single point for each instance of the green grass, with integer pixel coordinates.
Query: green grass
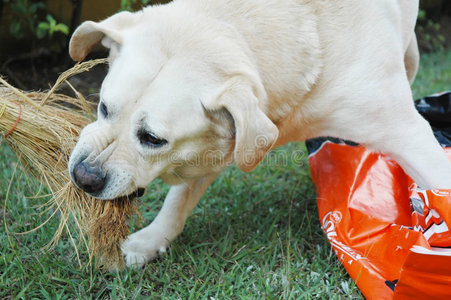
(252, 236)
(434, 74)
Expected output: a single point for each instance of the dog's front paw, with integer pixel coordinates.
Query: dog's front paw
(144, 246)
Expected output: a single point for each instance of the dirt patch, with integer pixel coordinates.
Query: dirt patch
(40, 73)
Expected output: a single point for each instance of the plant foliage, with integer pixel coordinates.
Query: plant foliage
(30, 16)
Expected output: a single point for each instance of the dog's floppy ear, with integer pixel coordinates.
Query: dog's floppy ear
(90, 33)
(255, 133)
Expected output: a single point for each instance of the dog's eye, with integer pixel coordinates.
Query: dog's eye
(103, 109)
(148, 139)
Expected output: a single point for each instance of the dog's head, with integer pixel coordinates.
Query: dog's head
(178, 102)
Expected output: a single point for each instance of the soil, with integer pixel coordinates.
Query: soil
(40, 73)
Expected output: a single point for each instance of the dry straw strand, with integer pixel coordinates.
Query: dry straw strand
(43, 139)
(2, 110)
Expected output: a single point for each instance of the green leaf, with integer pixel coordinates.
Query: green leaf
(62, 28)
(51, 20)
(20, 6)
(41, 31)
(421, 15)
(127, 4)
(43, 26)
(35, 6)
(16, 29)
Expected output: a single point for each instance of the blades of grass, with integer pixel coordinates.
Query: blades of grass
(22, 292)
(45, 294)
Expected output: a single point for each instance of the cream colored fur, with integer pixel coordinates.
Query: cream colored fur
(226, 81)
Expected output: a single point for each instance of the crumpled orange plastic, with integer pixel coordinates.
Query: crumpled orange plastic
(393, 238)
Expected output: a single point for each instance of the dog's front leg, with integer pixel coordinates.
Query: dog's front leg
(147, 243)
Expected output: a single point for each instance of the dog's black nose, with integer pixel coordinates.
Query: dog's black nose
(90, 179)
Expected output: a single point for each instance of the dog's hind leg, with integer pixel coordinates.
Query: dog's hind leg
(407, 137)
(385, 120)
(413, 145)
(147, 243)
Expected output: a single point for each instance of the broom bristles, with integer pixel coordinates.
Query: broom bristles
(46, 132)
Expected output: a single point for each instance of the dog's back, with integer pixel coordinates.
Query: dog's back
(300, 45)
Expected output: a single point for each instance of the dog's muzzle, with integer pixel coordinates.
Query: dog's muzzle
(92, 180)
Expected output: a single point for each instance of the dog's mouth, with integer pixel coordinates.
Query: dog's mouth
(136, 194)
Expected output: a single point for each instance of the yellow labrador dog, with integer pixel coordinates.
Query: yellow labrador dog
(197, 84)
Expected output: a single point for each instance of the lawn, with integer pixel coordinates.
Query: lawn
(253, 235)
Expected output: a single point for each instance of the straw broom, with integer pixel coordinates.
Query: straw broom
(42, 129)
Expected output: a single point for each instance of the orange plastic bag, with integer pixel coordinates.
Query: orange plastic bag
(393, 238)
